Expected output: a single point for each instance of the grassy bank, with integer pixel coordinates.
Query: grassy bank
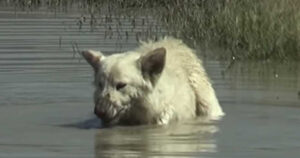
(246, 29)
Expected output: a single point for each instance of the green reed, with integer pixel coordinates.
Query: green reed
(249, 29)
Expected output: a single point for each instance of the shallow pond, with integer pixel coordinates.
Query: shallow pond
(46, 100)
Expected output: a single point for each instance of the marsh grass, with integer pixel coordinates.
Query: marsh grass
(246, 29)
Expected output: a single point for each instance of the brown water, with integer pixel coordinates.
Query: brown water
(46, 100)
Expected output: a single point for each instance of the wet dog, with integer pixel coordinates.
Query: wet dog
(157, 83)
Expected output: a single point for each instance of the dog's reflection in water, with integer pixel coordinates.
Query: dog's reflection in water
(175, 140)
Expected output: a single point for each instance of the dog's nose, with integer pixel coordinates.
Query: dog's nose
(99, 113)
(102, 115)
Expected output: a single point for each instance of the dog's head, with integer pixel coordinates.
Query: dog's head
(123, 80)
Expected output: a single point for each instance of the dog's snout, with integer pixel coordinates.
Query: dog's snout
(101, 114)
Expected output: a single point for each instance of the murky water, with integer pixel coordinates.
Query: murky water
(46, 100)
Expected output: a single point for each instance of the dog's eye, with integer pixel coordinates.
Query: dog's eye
(120, 85)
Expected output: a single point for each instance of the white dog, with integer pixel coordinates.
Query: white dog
(157, 83)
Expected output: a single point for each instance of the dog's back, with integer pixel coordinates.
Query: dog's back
(185, 65)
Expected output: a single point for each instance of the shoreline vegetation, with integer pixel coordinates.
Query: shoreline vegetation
(245, 29)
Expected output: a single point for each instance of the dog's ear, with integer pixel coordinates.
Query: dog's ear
(153, 63)
(93, 58)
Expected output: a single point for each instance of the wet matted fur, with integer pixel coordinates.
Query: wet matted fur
(157, 83)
